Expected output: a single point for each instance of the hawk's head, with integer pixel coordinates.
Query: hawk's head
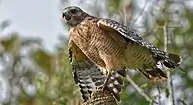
(73, 15)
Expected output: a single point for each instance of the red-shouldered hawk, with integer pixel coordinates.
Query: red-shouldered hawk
(114, 47)
(89, 77)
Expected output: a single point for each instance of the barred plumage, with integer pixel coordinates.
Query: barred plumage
(131, 35)
(114, 47)
(89, 77)
(167, 59)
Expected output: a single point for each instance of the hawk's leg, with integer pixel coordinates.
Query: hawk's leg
(108, 76)
(114, 75)
(114, 83)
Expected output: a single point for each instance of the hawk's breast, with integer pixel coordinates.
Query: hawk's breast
(82, 35)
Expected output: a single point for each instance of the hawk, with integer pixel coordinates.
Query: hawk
(89, 77)
(115, 47)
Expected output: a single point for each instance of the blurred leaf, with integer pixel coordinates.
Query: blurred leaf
(4, 24)
(178, 30)
(167, 92)
(160, 22)
(45, 61)
(114, 6)
(189, 15)
(144, 85)
(31, 40)
(12, 43)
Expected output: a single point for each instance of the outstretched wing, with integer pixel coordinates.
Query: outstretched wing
(89, 77)
(168, 59)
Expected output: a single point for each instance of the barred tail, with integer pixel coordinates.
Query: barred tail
(88, 76)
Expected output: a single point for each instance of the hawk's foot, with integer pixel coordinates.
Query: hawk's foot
(114, 84)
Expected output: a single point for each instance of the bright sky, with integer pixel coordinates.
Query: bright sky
(39, 18)
(33, 18)
(36, 18)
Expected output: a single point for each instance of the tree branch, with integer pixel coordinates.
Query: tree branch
(140, 91)
(159, 93)
(141, 13)
(169, 83)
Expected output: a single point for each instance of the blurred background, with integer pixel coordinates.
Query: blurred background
(34, 66)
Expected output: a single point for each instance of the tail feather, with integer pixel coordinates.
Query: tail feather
(155, 75)
(172, 61)
(176, 58)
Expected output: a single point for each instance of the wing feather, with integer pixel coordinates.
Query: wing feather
(168, 59)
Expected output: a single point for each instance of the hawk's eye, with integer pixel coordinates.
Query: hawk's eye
(74, 11)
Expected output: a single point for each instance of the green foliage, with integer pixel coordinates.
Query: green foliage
(54, 81)
(11, 44)
(114, 6)
(60, 88)
(45, 60)
(4, 24)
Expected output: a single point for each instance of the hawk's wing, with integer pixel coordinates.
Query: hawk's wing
(89, 77)
(168, 59)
